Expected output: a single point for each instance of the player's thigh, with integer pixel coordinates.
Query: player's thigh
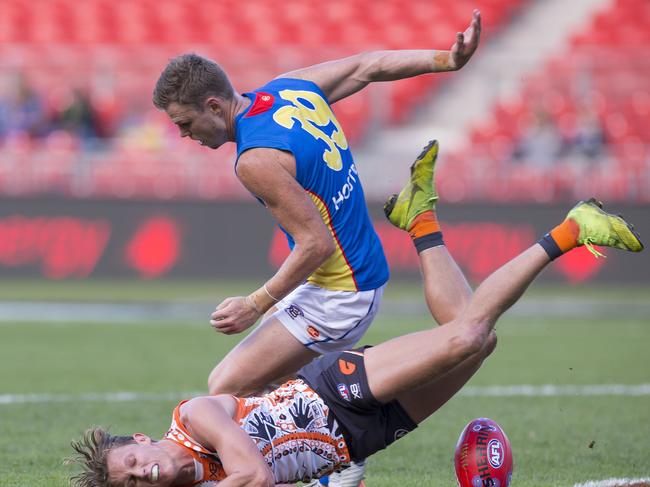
(425, 400)
(411, 361)
(422, 402)
(267, 354)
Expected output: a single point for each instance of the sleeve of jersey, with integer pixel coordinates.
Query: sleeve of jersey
(179, 434)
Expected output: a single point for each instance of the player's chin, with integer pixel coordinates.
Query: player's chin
(165, 476)
(212, 142)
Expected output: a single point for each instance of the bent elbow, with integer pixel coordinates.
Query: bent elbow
(316, 250)
(327, 248)
(320, 249)
(323, 250)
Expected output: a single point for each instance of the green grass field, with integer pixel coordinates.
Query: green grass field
(557, 440)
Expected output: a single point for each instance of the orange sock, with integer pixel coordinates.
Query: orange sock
(424, 224)
(566, 235)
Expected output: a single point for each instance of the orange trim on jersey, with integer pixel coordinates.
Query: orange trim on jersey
(342, 449)
(242, 410)
(327, 219)
(212, 468)
(182, 436)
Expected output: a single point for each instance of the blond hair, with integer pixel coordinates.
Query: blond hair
(91, 451)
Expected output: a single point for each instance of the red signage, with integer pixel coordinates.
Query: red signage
(478, 248)
(62, 247)
(155, 247)
(72, 239)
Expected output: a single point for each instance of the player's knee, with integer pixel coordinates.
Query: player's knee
(213, 384)
(467, 342)
(490, 343)
(475, 337)
(220, 383)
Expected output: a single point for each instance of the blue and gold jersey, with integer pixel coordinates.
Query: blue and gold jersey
(294, 115)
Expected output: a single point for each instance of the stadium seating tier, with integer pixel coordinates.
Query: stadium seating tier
(114, 49)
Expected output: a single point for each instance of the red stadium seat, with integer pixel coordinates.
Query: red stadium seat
(604, 68)
(115, 49)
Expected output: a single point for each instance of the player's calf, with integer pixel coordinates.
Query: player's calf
(414, 210)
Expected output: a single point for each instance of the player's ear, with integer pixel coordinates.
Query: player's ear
(214, 105)
(141, 439)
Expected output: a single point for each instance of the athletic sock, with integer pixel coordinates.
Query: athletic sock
(561, 239)
(425, 231)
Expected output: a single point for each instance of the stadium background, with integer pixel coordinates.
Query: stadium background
(107, 217)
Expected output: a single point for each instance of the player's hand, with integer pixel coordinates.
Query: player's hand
(234, 315)
(466, 43)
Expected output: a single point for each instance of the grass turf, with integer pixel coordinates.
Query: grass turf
(550, 436)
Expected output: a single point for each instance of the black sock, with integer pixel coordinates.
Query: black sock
(550, 246)
(427, 241)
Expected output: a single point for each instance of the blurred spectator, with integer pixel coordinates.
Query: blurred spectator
(4, 117)
(541, 143)
(588, 142)
(80, 118)
(25, 112)
(142, 129)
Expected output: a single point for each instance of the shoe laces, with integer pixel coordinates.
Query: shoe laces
(590, 247)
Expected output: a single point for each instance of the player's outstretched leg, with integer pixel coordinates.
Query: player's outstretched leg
(446, 289)
(431, 360)
(414, 210)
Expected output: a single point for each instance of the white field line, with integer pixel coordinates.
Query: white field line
(616, 483)
(96, 397)
(559, 390)
(470, 391)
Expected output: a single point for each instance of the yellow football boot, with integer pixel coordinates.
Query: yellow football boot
(419, 195)
(598, 227)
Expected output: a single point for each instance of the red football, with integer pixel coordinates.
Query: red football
(483, 456)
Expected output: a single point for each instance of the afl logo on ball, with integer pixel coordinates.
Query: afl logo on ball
(495, 453)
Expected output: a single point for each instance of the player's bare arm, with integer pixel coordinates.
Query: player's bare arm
(210, 423)
(267, 174)
(341, 78)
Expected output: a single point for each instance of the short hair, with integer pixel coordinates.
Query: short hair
(189, 79)
(91, 451)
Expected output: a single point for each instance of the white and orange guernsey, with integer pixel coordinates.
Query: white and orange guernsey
(292, 430)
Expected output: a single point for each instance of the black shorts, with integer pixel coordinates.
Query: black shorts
(366, 424)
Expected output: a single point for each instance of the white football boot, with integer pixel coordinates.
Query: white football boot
(350, 477)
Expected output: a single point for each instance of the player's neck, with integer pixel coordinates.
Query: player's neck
(239, 104)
